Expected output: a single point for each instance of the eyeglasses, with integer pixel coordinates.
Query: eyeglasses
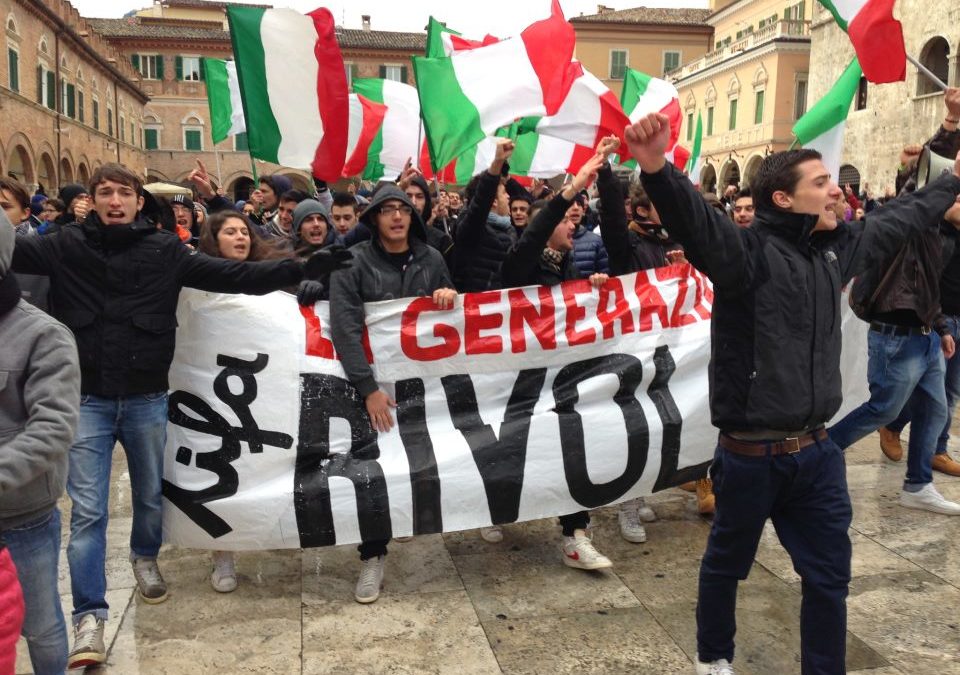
(390, 210)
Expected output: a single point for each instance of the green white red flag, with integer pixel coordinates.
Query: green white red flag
(396, 141)
(366, 118)
(223, 99)
(644, 94)
(694, 165)
(876, 36)
(294, 87)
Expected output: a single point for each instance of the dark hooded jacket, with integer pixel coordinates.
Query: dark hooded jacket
(775, 348)
(308, 207)
(116, 288)
(524, 264)
(374, 275)
(483, 242)
(589, 253)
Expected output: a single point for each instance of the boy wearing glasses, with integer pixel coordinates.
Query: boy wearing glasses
(395, 263)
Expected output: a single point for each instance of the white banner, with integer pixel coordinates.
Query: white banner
(514, 405)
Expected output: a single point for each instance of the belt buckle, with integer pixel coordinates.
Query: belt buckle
(925, 330)
(796, 443)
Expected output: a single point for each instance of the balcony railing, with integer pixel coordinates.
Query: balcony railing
(769, 33)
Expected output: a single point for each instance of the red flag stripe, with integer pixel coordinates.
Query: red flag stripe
(878, 40)
(549, 43)
(334, 106)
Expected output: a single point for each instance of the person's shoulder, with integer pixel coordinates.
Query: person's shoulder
(36, 320)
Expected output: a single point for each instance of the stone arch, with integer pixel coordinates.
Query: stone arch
(760, 77)
(690, 103)
(66, 170)
(83, 172)
(11, 23)
(299, 179)
(240, 186)
(47, 172)
(935, 55)
(710, 96)
(729, 173)
(708, 178)
(750, 169)
(20, 164)
(849, 174)
(733, 87)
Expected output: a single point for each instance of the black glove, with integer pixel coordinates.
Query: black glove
(327, 260)
(309, 292)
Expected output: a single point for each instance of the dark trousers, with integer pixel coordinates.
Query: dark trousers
(371, 549)
(574, 521)
(805, 495)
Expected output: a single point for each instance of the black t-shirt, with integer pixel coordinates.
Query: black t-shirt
(400, 260)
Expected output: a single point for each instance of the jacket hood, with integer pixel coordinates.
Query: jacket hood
(309, 207)
(421, 183)
(7, 240)
(385, 193)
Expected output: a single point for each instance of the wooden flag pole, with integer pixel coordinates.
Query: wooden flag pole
(926, 71)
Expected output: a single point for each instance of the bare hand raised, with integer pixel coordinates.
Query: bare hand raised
(647, 140)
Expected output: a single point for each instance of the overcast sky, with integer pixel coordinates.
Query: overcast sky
(477, 17)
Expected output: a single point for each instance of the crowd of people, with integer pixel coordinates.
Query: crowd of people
(89, 283)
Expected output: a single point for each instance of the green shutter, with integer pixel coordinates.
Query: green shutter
(202, 74)
(403, 74)
(80, 105)
(151, 139)
(14, 62)
(159, 66)
(192, 140)
(689, 126)
(135, 60)
(240, 142)
(758, 112)
(51, 90)
(71, 103)
(40, 85)
(710, 121)
(96, 115)
(383, 72)
(178, 64)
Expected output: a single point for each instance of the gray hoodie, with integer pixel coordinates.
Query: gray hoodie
(39, 404)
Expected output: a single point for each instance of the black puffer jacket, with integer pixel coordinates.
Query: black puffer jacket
(524, 264)
(373, 276)
(775, 361)
(482, 244)
(120, 299)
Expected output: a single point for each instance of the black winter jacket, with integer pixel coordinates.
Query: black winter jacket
(120, 301)
(482, 245)
(775, 361)
(524, 264)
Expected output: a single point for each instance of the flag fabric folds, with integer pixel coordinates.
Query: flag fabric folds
(223, 99)
(876, 36)
(397, 140)
(366, 118)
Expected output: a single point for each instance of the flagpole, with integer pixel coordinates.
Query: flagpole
(926, 71)
(216, 154)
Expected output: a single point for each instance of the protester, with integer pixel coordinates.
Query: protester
(77, 200)
(589, 253)
(418, 192)
(280, 227)
(394, 263)
(15, 202)
(115, 279)
(343, 213)
(520, 211)
(270, 188)
(772, 389)
(39, 407)
(312, 230)
(543, 256)
(52, 208)
(188, 229)
(743, 208)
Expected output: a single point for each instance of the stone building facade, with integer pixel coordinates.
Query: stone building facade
(68, 101)
(165, 43)
(885, 117)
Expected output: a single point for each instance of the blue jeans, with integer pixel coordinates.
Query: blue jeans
(901, 367)
(140, 424)
(805, 495)
(35, 549)
(952, 390)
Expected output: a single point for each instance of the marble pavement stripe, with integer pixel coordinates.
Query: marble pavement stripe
(410, 633)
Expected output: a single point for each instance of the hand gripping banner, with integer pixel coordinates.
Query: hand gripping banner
(514, 405)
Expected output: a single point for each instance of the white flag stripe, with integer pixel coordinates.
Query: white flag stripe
(238, 124)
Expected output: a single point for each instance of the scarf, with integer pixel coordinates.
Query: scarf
(553, 259)
(497, 219)
(9, 293)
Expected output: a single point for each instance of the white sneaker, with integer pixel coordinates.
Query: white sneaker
(578, 552)
(646, 514)
(492, 534)
(223, 578)
(630, 527)
(718, 667)
(928, 499)
(88, 649)
(371, 580)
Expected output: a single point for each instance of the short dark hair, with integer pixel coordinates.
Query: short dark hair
(17, 191)
(638, 200)
(778, 173)
(293, 196)
(743, 193)
(346, 199)
(56, 203)
(521, 197)
(118, 174)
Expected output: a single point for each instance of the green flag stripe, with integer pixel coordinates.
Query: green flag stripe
(463, 169)
(218, 98)
(435, 31)
(634, 86)
(697, 142)
(263, 132)
(830, 7)
(450, 120)
(372, 88)
(833, 108)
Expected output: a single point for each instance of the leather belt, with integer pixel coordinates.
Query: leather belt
(893, 329)
(785, 446)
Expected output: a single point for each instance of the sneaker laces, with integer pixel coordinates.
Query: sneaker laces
(721, 667)
(369, 570)
(86, 634)
(148, 571)
(630, 519)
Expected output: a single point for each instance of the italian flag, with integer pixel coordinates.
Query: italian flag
(466, 96)
(366, 118)
(644, 94)
(822, 127)
(443, 41)
(294, 87)
(694, 164)
(876, 36)
(397, 140)
(223, 98)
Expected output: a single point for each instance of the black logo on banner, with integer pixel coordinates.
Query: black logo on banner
(192, 412)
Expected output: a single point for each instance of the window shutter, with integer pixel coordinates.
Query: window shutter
(14, 70)
(179, 67)
(51, 90)
(40, 85)
(59, 94)
(383, 72)
(403, 74)
(202, 73)
(159, 58)
(135, 60)
(71, 101)
(80, 104)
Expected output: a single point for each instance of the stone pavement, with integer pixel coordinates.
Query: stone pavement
(455, 604)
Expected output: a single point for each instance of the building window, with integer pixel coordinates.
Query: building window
(862, 94)
(618, 63)
(133, 134)
(70, 101)
(121, 127)
(151, 139)
(193, 140)
(690, 126)
(240, 143)
(710, 121)
(96, 114)
(150, 66)
(758, 108)
(189, 68)
(80, 114)
(800, 98)
(934, 56)
(671, 61)
(351, 71)
(109, 122)
(794, 12)
(395, 73)
(13, 60)
(733, 114)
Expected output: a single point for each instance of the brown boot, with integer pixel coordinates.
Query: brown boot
(944, 463)
(890, 444)
(706, 501)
